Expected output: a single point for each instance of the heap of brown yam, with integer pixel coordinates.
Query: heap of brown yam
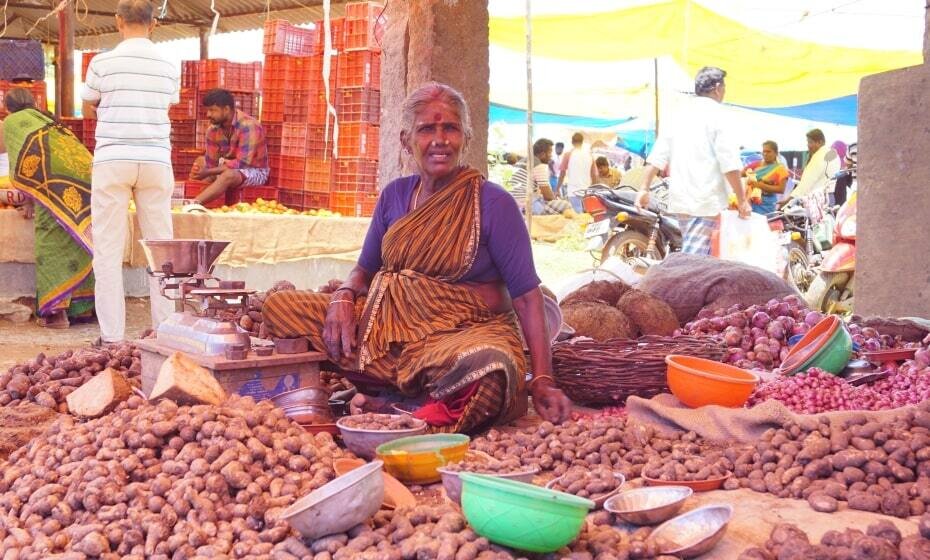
(603, 310)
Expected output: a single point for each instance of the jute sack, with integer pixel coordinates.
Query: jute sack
(740, 425)
(688, 283)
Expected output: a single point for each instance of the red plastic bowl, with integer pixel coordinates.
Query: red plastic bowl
(696, 485)
(811, 343)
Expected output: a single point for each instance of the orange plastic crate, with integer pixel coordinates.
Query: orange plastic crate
(283, 37)
(86, 57)
(188, 106)
(353, 204)
(358, 140)
(246, 101)
(200, 141)
(291, 198)
(358, 105)
(273, 106)
(355, 175)
(316, 201)
(364, 25)
(287, 172)
(273, 137)
(190, 73)
(184, 134)
(318, 175)
(192, 188)
(251, 194)
(361, 68)
(182, 160)
(89, 133)
(319, 143)
(234, 76)
(74, 124)
(294, 139)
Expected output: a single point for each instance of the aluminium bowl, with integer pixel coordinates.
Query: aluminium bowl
(364, 443)
(693, 533)
(648, 505)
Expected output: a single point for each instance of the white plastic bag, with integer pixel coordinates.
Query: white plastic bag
(747, 241)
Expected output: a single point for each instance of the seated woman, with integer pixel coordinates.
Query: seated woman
(445, 273)
(51, 166)
(767, 175)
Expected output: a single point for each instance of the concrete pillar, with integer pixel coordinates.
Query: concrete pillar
(892, 268)
(204, 35)
(927, 34)
(426, 41)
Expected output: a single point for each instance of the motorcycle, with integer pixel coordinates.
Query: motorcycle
(623, 230)
(831, 291)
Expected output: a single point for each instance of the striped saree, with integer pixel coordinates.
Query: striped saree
(419, 329)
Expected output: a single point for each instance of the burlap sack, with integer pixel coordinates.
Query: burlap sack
(739, 425)
(688, 283)
(910, 329)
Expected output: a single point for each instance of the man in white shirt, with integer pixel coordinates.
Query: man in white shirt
(816, 179)
(578, 172)
(128, 90)
(703, 160)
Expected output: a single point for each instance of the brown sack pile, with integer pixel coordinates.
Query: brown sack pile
(604, 309)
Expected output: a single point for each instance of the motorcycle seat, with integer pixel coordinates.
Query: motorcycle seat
(629, 198)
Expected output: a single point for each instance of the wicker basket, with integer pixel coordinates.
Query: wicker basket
(592, 372)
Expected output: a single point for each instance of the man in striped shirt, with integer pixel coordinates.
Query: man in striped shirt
(544, 201)
(128, 90)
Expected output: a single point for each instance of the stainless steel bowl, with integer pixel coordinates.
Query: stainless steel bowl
(302, 396)
(364, 442)
(649, 505)
(693, 533)
(310, 414)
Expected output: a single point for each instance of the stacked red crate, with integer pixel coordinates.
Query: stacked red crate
(190, 73)
(75, 125)
(187, 107)
(232, 76)
(86, 57)
(283, 37)
(184, 134)
(89, 133)
(364, 25)
(182, 160)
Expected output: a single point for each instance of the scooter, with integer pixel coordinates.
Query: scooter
(832, 289)
(623, 230)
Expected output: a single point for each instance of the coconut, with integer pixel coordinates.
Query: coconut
(597, 291)
(650, 314)
(598, 321)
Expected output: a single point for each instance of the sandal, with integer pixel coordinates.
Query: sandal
(57, 320)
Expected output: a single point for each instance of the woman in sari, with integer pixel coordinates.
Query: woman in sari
(51, 166)
(767, 179)
(445, 276)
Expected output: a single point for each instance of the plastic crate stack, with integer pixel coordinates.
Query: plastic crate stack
(186, 136)
(294, 108)
(86, 57)
(358, 107)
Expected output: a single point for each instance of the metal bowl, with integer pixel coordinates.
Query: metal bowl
(182, 256)
(600, 499)
(453, 484)
(693, 533)
(302, 396)
(339, 505)
(364, 442)
(649, 505)
(310, 414)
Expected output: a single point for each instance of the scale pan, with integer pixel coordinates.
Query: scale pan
(180, 255)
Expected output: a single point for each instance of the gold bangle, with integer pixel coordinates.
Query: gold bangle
(537, 378)
(341, 301)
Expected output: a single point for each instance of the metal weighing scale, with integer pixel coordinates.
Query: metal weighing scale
(203, 325)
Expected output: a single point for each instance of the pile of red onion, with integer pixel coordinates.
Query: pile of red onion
(817, 391)
(757, 336)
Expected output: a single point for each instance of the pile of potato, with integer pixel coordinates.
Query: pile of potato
(603, 310)
(408, 533)
(601, 539)
(881, 541)
(873, 466)
(689, 463)
(252, 320)
(613, 442)
(587, 482)
(46, 381)
(161, 481)
(386, 422)
(507, 466)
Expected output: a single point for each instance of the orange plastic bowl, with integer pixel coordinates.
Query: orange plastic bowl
(811, 343)
(698, 382)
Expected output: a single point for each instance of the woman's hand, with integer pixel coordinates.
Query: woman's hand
(339, 327)
(550, 402)
(28, 209)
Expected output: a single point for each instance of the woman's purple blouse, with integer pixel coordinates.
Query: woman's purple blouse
(504, 250)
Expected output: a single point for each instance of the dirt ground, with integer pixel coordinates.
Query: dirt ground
(22, 341)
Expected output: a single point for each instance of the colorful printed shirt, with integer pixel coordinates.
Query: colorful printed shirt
(240, 145)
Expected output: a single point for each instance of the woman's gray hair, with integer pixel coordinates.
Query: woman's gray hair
(18, 99)
(435, 91)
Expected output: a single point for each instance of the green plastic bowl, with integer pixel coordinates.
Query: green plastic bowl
(521, 515)
(834, 355)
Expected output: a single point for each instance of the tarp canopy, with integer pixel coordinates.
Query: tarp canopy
(799, 59)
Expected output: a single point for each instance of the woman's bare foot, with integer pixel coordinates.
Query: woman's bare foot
(57, 320)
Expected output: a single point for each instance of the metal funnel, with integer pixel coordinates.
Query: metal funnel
(182, 257)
